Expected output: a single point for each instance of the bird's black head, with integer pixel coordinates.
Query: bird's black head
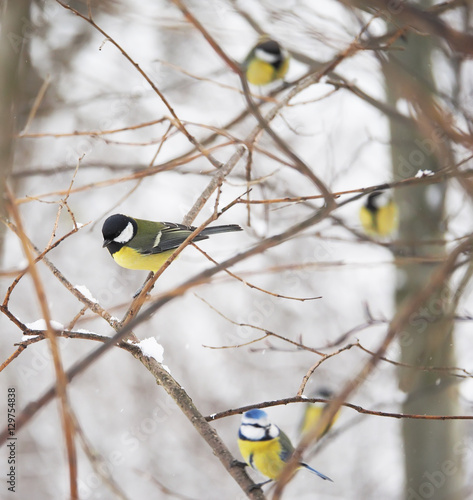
(117, 231)
(270, 46)
(271, 52)
(323, 392)
(374, 201)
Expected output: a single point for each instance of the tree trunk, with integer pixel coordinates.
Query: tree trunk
(14, 30)
(432, 467)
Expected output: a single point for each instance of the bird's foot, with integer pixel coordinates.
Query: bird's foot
(143, 285)
(238, 463)
(258, 485)
(139, 290)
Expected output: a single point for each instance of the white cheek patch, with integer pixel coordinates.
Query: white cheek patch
(267, 57)
(252, 433)
(158, 239)
(274, 431)
(126, 235)
(434, 196)
(382, 199)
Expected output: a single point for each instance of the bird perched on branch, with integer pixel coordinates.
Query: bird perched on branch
(266, 62)
(379, 214)
(146, 245)
(265, 447)
(313, 412)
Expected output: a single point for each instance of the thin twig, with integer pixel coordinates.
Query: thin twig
(357, 408)
(250, 285)
(175, 119)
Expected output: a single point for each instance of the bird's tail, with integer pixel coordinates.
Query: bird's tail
(220, 229)
(323, 476)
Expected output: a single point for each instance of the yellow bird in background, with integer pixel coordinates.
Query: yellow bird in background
(266, 62)
(379, 215)
(313, 411)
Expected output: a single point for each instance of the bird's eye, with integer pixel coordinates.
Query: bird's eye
(261, 426)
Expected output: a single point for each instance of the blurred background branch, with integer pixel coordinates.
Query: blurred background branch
(144, 109)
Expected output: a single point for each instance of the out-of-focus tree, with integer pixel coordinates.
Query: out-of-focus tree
(13, 50)
(144, 109)
(422, 144)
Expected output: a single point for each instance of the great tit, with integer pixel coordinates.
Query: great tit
(379, 214)
(266, 62)
(313, 411)
(146, 245)
(264, 446)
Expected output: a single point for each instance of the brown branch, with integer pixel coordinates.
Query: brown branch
(139, 301)
(216, 181)
(250, 285)
(175, 119)
(40, 257)
(98, 463)
(317, 364)
(170, 385)
(12, 357)
(267, 333)
(4, 309)
(436, 281)
(37, 102)
(95, 307)
(359, 409)
(158, 303)
(199, 422)
(178, 394)
(447, 369)
(264, 123)
(91, 133)
(61, 380)
(419, 20)
(147, 172)
(146, 475)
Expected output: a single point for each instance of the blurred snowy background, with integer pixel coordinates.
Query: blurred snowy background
(130, 421)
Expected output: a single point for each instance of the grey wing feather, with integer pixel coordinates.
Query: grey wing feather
(144, 240)
(157, 237)
(172, 235)
(286, 447)
(286, 451)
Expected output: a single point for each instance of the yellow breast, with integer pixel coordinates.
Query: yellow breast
(260, 72)
(131, 259)
(383, 222)
(264, 456)
(312, 416)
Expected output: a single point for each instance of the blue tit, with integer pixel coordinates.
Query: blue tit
(379, 215)
(266, 62)
(264, 446)
(313, 412)
(143, 244)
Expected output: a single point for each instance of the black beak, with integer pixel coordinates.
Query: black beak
(106, 243)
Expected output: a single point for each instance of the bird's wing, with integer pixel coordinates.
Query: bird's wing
(286, 447)
(169, 236)
(145, 238)
(248, 59)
